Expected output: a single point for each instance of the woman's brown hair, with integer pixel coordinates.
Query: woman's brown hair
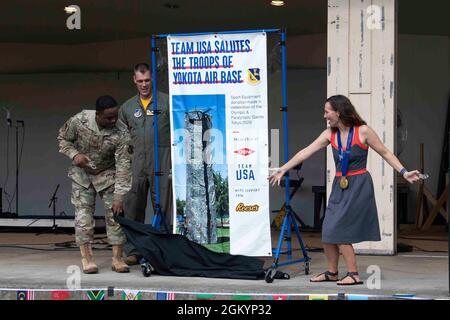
(347, 112)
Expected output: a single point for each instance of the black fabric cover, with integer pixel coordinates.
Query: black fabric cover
(176, 255)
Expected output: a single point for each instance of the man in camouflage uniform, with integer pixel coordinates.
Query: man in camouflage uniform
(100, 165)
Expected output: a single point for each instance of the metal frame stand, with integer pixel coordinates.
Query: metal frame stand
(289, 218)
(156, 222)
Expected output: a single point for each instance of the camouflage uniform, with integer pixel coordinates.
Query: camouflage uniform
(107, 148)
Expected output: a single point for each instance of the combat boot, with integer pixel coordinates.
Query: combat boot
(118, 265)
(87, 259)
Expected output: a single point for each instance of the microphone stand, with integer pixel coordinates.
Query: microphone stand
(53, 200)
(52, 204)
(17, 163)
(9, 123)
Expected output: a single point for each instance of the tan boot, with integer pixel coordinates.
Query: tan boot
(87, 259)
(118, 265)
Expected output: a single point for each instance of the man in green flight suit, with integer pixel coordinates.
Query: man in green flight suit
(136, 117)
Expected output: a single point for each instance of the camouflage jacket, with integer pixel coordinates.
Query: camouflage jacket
(107, 148)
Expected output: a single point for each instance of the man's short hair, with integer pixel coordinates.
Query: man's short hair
(141, 67)
(105, 102)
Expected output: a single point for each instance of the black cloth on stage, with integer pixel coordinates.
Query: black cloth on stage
(176, 255)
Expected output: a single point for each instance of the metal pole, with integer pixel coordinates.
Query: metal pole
(157, 216)
(284, 109)
(17, 169)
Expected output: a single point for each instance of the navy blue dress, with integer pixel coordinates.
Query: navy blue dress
(351, 215)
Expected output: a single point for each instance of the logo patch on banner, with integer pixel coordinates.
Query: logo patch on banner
(25, 295)
(96, 295)
(137, 113)
(244, 151)
(244, 208)
(254, 76)
(60, 295)
(131, 295)
(165, 296)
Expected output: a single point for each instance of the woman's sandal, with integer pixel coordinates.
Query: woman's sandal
(327, 275)
(351, 275)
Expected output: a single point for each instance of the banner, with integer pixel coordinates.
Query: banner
(219, 131)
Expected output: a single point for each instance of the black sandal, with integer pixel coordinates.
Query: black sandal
(327, 275)
(351, 275)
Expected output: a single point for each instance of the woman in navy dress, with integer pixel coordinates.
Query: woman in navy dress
(351, 215)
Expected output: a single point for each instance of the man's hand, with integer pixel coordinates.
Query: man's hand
(81, 160)
(117, 207)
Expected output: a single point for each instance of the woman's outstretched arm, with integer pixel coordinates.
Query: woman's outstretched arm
(372, 140)
(321, 142)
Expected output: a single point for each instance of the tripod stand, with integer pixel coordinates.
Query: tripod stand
(289, 219)
(295, 184)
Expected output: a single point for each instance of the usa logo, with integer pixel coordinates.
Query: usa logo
(245, 172)
(244, 151)
(254, 76)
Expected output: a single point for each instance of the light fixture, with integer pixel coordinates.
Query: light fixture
(70, 9)
(277, 3)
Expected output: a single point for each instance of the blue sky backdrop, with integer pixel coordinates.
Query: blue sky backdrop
(187, 103)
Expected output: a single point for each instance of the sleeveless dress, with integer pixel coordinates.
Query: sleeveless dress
(351, 214)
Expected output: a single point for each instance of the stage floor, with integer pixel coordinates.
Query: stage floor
(47, 269)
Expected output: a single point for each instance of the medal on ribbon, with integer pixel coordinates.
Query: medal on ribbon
(343, 183)
(344, 157)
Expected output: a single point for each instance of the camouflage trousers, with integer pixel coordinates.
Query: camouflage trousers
(84, 201)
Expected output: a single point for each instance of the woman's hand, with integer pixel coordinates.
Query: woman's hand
(412, 176)
(276, 176)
